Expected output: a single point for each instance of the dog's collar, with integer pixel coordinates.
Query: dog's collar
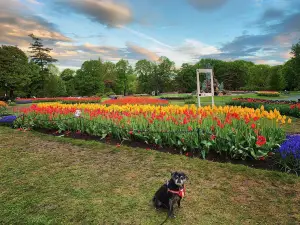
(180, 193)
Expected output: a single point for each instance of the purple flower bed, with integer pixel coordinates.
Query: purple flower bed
(23, 102)
(288, 155)
(8, 119)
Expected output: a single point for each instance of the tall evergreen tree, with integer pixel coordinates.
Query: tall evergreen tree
(40, 54)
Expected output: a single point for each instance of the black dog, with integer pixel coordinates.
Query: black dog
(170, 193)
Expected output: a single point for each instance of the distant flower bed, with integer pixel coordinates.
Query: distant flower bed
(264, 101)
(295, 106)
(58, 99)
(288, 155)
(74, 100)
(283, 108)
(176, 96)
(268, 93)
(136, 101)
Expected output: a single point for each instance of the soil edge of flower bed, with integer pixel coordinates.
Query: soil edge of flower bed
(267, 164)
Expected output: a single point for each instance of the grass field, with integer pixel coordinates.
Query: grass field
(222, 100)
(51, 180)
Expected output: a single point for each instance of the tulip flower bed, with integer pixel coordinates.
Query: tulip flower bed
(295, 106)
(236, 132)
(66, 100)
(136, 100)
(288, 155)
(3, 107)
(74, 100)
(268, 93)
(284, 109)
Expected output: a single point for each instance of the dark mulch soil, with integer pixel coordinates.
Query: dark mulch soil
(267, 164)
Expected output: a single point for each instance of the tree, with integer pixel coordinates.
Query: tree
(164, 74)
(277, 81)
(145, 73)
(186, 78)
(123, 70)
(35, 85)
(54, 85)
(14, 69)
(259, 76)
(89, 78)
(291, 75)
(39, 54)
(109, 76)
(296, 51)
(132, 84)
(67, 76)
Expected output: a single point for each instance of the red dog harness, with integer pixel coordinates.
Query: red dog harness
(180, 193)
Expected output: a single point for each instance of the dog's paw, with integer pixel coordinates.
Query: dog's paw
(172, 216)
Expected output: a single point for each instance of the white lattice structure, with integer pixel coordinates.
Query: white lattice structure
(212, 93)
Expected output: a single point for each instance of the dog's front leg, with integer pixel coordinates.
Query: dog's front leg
(171, 208)
(178, 203)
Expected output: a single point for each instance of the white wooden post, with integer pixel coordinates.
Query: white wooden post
(212, 87)
(198, 89)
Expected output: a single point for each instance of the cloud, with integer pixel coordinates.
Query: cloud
(106, 12)
(272, 14)
(144, 36)
(187, 52)
(73, 55)
(268, 62)
(279, 29)
(286, 55)
(17, 22)
(35, 2)
(207, 4)
(190, 51)
(141, 53)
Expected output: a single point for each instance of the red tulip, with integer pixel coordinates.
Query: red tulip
(261, 140)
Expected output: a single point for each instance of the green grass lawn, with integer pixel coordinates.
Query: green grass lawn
(51, 180)
(222, 100)
(294, 127)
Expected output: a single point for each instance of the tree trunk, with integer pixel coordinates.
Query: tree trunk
(11, 93)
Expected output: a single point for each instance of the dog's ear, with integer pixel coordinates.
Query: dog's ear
(172, 174)
(186, 177)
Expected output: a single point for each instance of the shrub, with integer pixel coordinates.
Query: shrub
(268, 93)
(288, 155)
(110, 93)
(190, 101)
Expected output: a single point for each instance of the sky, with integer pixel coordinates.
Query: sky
(261, 31)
